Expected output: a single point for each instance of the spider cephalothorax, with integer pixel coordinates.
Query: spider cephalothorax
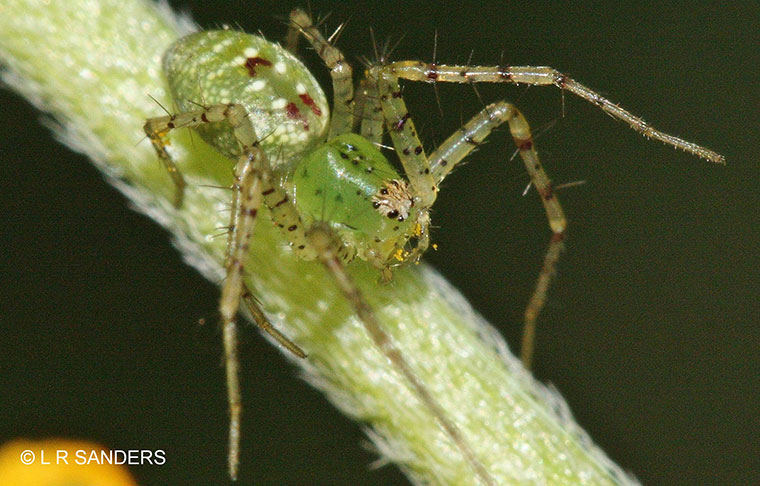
(371, 208)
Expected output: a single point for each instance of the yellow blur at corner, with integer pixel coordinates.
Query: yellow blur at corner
(19, 468)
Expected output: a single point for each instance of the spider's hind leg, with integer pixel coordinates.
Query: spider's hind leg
(340, 70)
(261, 320)
(252, 184)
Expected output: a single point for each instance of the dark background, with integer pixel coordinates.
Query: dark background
(651, 329)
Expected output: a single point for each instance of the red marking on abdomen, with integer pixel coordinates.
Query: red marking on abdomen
(252, 62)
(295, 114)
(309, 101)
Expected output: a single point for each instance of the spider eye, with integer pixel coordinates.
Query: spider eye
(384, 191)
(393, 214)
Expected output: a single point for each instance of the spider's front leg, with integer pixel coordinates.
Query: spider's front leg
(369, 112)
(432, 171)
(460, 144)
(426, 174)
(539, 76)
(418, 167)
(403, 135)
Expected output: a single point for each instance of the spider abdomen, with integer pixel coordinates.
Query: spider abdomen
(287, 107)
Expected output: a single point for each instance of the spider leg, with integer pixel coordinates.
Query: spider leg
(425, 174)
(340, 70)
(320, 242)
(369, 113)
(260, 319)
(253, 182)
(404, 135)
(246, 199)
(156, 130)
(538, 76)
(327, 247)
(454, 149)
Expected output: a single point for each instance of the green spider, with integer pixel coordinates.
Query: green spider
(264, 110)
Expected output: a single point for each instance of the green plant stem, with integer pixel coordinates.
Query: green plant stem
(92, 64)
